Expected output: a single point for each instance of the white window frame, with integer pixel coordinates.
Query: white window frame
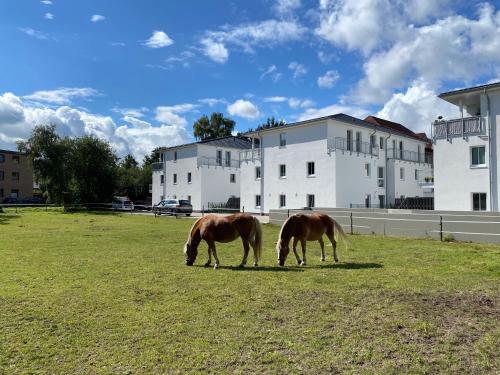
(308, 199)
(232, 178)
(368, 171)
(228, 158)
(279, 171)
(402, 173)
(175, 157)
(218, 159)
(471, 161)
(416, 174)
(381, 143)
(162, 179)
(175, 181)
(309, 163)
(349, 140)
(380, 180)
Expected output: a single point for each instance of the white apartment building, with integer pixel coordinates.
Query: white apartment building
(202, 172)
(466, 151)
(333, 161)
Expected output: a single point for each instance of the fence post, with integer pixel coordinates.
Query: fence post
(288, 213)
(441, 228)
(352, 231)
(202, 211)
(243, 208)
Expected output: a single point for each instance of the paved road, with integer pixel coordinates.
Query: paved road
(262, 219)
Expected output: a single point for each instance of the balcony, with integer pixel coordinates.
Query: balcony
(457, 127)
(250, 155)
(405, 155)
(217, 162)
(157, 166)
(345, 144)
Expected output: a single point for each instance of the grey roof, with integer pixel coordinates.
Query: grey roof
(229, 142)
(12, 152)
(339, 117)
(470, 89)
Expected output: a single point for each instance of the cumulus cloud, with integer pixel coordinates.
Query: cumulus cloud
(216, 51)
(138, 137)
(243, 108)
(132, 112)
(275, 99)
(62, 95)
(46, 2)
(300, 103)
(333, 109)
(286, 7)
(297, 69)
(170, 115)
(327, 80)
(212, 102)
(34, 33)
(48, 16)
(158, 39)
(97, 18)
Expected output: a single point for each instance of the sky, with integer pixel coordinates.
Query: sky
(139, 73)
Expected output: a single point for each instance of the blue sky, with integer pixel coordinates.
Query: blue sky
(139, 73)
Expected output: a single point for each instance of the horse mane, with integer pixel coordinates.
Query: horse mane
(287, 221)
(190, 235)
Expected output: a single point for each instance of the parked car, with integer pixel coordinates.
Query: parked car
(10, 200)
(174, 207)
(122, 204)
(142, 206)
(33, 200)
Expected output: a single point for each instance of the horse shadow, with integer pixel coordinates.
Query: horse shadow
(349, 266)
(259, 268)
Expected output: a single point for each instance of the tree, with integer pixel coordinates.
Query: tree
(271, 123)
(49, 155)
(215, 127)
(129, 162)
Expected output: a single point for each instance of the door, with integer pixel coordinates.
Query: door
(381, 201)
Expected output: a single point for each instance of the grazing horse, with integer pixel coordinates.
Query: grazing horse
(307, 228)
(212, 229)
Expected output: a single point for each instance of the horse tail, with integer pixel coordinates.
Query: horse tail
(340, 232)
(257, 241)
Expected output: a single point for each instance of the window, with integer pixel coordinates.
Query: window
(381, 143)
(367, 170)
(419, 152)
(401, 150)
(257, 201)
(15, 176)
(358, 141)
(349, 140)
(479, 201)
(282, 171)
(162, 158)
(175, 178)
(478, 156)
(228, 158)
(282, 200)
(162, 179)
(367, 200)
(14, 193)
(15, 159)
(310, 168)
(232, 178)
(189, 177)
(257, 173)
(2, 158)
(416, 174)
(401, 173)
(282, 139)
(218, 158)
(372, 143)
(189, 199)
(380, 177)
(381, 201)
(310, 200)
(175, 155)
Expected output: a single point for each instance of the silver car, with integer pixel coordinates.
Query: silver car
(174, 207)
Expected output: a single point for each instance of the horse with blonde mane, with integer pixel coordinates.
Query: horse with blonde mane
(213, 228)
(307, 228)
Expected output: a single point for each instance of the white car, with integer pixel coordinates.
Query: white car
(122, 204)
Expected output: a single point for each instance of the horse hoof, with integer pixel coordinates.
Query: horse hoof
(216, 266)
(302, 263)
(299, 262)
(336, 260)
(207, 264)
(241, 265)
(255, 265)
(323, 259)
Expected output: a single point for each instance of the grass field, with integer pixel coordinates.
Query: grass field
(104, 293)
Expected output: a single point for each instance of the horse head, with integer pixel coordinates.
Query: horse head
(282, 248)
(191, 251)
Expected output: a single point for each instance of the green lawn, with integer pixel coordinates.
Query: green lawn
(104, 293)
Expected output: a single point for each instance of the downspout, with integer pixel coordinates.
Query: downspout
(387, 171)
(262, 173)
(490, 157)
(164, 175)
(371, 154)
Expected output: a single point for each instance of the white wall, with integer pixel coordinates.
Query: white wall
(250, 186)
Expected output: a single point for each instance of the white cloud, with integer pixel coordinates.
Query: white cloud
(300, 103)
(34, 33)
(333, 109)
(49, 16)
(325, 57)
(272, 72)
(62, 95)
(158, 39)
(212, 102)
(286, 7)
(275, 99)
(97, 18)
(328, 80)
(118, 44)
(46, 2)
(243, 108)
(297, 69)
(215, 50)
(18, 118)
(170, 114)
(132, 112)
(417, 108)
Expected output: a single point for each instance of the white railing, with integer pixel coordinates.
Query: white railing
(218, 162)
(457, 127)
(157, 166)
(352, 146)
(400, 154)
(250, 155)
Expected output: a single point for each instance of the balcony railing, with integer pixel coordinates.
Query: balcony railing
(250, 155)
(400, 154)
(457, 127)
(157, 166)
(218, 162)
(352, 146)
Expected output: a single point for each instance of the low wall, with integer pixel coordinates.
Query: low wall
(458, 225)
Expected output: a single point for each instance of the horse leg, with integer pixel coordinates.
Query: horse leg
(211, 246)
(255, 257)
(246, 248)
(209, 257)
(322, 244)
(331, 237)
(303, 243)
(294, 247)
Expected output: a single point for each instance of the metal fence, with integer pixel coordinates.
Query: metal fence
(441, 225)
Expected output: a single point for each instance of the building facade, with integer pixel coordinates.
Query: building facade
(334, 161)
(466, 151)
(16, 175)
(206, 172)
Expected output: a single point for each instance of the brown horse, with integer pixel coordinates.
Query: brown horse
(307, 228)
(212, 229)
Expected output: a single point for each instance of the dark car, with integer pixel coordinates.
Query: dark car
(174, 207)
(10, 200)
(142, 206)
(33, 200)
